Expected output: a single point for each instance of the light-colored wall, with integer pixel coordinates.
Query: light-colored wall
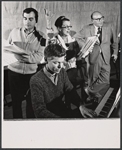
(78, 12)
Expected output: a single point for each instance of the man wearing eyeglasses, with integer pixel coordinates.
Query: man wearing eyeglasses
(98, 61)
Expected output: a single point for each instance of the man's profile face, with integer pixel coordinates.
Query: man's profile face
(55, 63)
(29, 20)
(98, 19)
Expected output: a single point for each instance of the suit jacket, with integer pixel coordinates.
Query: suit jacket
(109, 39)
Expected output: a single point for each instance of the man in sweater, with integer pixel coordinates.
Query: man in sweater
(51, 90)
(31, 42)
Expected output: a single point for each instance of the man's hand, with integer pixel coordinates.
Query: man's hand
(22, 58)
(97, 42)
(114, 56)
(87, 112)
(88, 46)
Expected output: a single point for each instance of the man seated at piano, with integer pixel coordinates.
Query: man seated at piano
(52, 92)
(98, 61)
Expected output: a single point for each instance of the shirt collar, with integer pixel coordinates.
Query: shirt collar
(48, 73)
(96, 28)
(25, 31)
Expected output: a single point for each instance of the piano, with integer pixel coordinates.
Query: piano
(109, 103)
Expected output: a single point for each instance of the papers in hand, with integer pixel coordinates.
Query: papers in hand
(8, 58)
(87, 47)
(14, 49)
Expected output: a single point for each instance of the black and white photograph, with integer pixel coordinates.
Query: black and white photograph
(60, 74)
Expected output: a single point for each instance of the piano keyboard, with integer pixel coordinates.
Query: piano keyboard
(104, 108)
(118, 95)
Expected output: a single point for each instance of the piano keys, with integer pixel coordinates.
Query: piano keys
(108, 103)
(116, 102)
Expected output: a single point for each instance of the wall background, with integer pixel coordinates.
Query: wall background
(78, 12)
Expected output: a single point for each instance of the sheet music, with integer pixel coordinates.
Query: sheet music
(8, 58)
(88, 46)
(14, 49)
(118, 95)
(117, 99)
(9, 51)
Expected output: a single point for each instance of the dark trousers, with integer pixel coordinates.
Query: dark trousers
(19, 84)
(94, 68)
(99, 71)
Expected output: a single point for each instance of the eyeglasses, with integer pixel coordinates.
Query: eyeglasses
(99, 19)
(66, 27)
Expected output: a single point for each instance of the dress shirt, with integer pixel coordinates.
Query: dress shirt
(100, 34)
(96, 29)
(28, 34)
(96, 32)
(52, 77)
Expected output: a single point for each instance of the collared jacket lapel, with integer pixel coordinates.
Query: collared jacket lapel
(92, 30)
(103, 32)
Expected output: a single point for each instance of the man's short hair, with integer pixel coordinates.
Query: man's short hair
(54, 50)
(28, 10)
(94, 13)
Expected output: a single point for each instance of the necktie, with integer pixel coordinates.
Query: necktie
(100, 34)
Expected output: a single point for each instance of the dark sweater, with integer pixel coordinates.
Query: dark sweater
(48, 98)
